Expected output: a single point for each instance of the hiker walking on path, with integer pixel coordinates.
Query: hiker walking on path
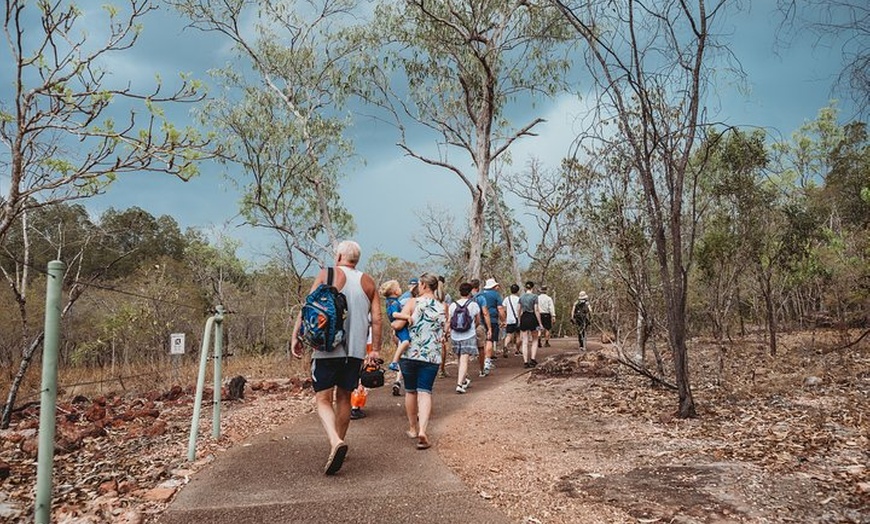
(425, 317)
(336, 373)
(482, 329)
(530, 323)
(462, 314)
(490, 299)
(581, 314)
(511, 306)
(444, 297)
(548, 315)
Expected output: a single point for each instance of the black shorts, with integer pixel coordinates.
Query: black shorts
(510, 329)
(340, 371)
(528, 322)
(547, 321)
(494, 337)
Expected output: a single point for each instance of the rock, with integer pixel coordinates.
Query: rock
(236, 388)
(9, 512)
(146, 413)
(156, 429)
(129, 517)
(174, 393)
(30, 447)
(159, 494)
(812, 381)
(95, 412)
(127, 486)
(108, 487)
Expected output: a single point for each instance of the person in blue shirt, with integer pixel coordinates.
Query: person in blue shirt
(491, 300)
(482, 329)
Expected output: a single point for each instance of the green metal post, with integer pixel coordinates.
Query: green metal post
(200, 386)
(218, 360)
(48, 400)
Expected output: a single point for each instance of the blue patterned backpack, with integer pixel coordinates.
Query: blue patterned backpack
(323, 316)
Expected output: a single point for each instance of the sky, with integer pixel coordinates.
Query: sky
(786, 86)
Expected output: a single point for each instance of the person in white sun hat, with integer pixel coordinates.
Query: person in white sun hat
(491, 299)
(581, 314)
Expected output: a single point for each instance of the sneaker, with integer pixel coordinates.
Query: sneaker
(504, 353)
(460, 389)
(527, 364)
(483, 373)
(533, 363)
(466, 383)
(547, 344)
(394, 366)
(397, 389)
(517, 352)
(443, 374)
(357, 413)
(488, 365)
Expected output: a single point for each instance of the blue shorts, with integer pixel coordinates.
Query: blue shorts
(465, 347)
(403, 335)
(418, 375)
(330, 372)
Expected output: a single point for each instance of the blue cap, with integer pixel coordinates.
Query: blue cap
(413, 281)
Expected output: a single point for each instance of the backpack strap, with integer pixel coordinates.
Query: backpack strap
(511, 304)
(330, 274)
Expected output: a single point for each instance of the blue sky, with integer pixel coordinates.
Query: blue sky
(786, 87)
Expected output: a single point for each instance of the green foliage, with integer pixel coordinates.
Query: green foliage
(293, 165)
(62, 145)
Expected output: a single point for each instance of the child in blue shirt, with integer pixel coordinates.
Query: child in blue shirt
(391, 291)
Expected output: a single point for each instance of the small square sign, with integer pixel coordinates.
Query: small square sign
(176, 344)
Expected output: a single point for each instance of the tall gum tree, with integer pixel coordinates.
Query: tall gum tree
(455, 69)
(281, 112)
(67, 127)
(648, 62)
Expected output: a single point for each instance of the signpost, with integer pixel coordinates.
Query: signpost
(176, 349)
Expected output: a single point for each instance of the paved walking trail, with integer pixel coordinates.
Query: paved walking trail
(278, 477)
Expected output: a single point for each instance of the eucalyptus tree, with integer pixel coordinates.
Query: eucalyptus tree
(649, 64)
(553, 200)
(281, 113)
(821, 174)
(736, 195)
(610, 226)
(453, 76)
(512, 232)
(68, 128)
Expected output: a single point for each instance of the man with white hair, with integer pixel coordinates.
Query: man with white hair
(336, 373)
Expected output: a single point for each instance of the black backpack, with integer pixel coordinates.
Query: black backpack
(323, 316)
(461, 319)
(581, 314)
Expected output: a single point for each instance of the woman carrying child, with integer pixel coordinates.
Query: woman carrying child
(424, 315)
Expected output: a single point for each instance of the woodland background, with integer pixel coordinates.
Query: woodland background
(676, 226)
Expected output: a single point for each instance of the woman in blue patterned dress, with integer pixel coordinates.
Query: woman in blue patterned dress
(420, 361)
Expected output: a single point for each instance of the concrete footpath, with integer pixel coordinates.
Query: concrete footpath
(278, 477)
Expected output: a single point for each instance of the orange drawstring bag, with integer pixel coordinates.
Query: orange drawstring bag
(358, 397)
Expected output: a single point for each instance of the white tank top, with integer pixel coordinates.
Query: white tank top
(356, 324)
